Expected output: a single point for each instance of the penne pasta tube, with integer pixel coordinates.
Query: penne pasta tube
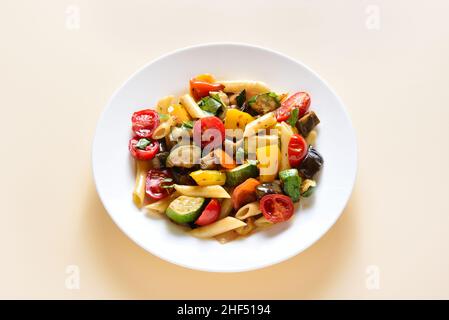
(142, 168)
(285, 133)
(248, 210)
(226, 237)
(264, 122)
(163, 129)
(245, 230)
(163, 104)
(161, 205)
(262, 222)
(218, 227)
(226, 208)
(311, 138)
(251, 87)
(191, 106)
(202, 191)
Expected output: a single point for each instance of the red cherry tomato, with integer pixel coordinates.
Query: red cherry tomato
(144, 122)
(143, 154)
(210, 213)
(209, 131)
(297, 150)
(200, 89)
(276, 207)
(300, 100)
(156, 180)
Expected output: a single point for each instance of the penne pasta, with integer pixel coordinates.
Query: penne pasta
(249, 210)
(252, 87)
(163, 129)
(285, 133)
(226, 208)
(226, 237)
(192, 107)
(161, 205)
(311, 138)
(264, 122)
(142, 168)
(163, 104)
(202, 191)
(218, 227)
(262, 222)
(245, 230)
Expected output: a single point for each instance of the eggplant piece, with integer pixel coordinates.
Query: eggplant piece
(268, 188)
(159, 160)
(306, 123)
(162, 145)
(311, 164)
(181, 176)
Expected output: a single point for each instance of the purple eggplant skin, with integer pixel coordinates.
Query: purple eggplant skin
(268, 188)
(311, 164)
(306, 123)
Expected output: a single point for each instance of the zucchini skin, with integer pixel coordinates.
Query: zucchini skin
(291, 183)
(264, 103)
(174, 213)
(241, 173)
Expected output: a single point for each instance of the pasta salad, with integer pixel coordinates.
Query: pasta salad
(227, 158)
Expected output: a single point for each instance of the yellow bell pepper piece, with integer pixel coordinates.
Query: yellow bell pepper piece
(179, 112)
(268, 158)
(236, 119)
(209, 177)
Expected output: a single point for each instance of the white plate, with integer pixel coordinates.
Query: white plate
(170, 74)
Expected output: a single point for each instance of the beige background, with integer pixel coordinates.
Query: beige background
(55, 82)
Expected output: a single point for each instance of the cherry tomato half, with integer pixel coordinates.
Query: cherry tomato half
(143, 154)
(200, 89)
(276, 207)
(210, 213)
(156, 180)
(297, 150)
(300, 100)
(210, 130)
(144, 122)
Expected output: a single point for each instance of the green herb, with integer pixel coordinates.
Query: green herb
(163, 116)
(143, 143)
(293, 117)
(211, 104)
(187, 124)
(241, 98)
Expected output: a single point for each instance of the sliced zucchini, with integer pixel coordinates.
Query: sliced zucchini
(185, 209)
(291, 183)
(264, 103)
(239, 174)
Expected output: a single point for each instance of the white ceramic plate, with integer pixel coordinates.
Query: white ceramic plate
(114, 170)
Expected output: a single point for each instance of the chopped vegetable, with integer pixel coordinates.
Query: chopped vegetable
(307, 187)
(307, 122)
(299, 100)
(241, 98)
(276, 207)
(268, 157)
(225, 160)
(209, 177)
(200, 89)
(241, 173)
(211, 104)
(293, 117)
(264, 103)
(184, 156)
(311, 164)
(158, 184)
(208, 131)
(291, 182)
(185, 209)
(159, 160)
(210, 213)
(187, 124)
(236, 119)
(181, 176)
(244, 193)
(147, 153)
(209, 161)
(144, 122)
(297, 150)
(268, 188)
(179, 113)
